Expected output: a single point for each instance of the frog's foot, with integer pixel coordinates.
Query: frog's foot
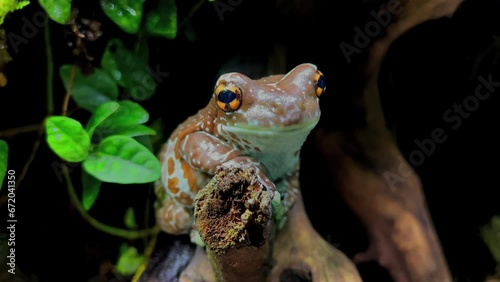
(254, 167)
(174, 218)
(198, 269)
(301, 253)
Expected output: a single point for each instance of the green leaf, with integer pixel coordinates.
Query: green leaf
(129, 261)
(129, 219)
(121, 159)
(127, 14)
(67, 138)
(102, 112)
(91, 187)
(133, 130)
(113, 59)
(124, 121)
(92, 90)
(9, 6)
(163, 21)
(491, 236)
(58, 10)
(129, 113)
(130, 70)
(4, 156)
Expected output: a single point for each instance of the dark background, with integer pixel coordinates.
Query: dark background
(427, 71)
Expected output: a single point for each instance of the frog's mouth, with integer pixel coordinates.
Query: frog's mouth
(273, 139)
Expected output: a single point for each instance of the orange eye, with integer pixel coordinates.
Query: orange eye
(228, 97)
(319, 83)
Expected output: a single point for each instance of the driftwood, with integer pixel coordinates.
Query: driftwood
(374, 178)
(248, 250)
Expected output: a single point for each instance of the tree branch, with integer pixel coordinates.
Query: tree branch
(233, 216)
(241, 250)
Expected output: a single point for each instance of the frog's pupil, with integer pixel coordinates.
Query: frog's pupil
(226, 96)
(321, 82)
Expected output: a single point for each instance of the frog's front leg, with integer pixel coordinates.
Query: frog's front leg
(206, 152)
(199, 154)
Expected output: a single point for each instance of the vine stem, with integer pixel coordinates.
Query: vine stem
(50, 103)
(147, 255)
(68, 92)
(36, 145)
(191, 13)
(123, 233)
(50, 70)
(11, 132)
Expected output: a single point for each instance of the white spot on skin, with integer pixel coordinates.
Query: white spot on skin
(218, 158)
(183, 148)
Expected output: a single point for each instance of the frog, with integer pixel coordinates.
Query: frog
(258, 125)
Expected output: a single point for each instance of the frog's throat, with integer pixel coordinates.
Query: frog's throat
(286, 139)
(294, 128)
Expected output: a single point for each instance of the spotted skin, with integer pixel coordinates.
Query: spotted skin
(260, 124)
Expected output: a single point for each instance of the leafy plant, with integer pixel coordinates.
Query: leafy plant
(113, 144)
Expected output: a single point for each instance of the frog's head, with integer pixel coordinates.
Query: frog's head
(274, 109)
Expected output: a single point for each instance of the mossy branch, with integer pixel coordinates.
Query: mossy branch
(234, 218)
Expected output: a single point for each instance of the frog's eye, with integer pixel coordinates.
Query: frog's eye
(319, 83)
(228, 97)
